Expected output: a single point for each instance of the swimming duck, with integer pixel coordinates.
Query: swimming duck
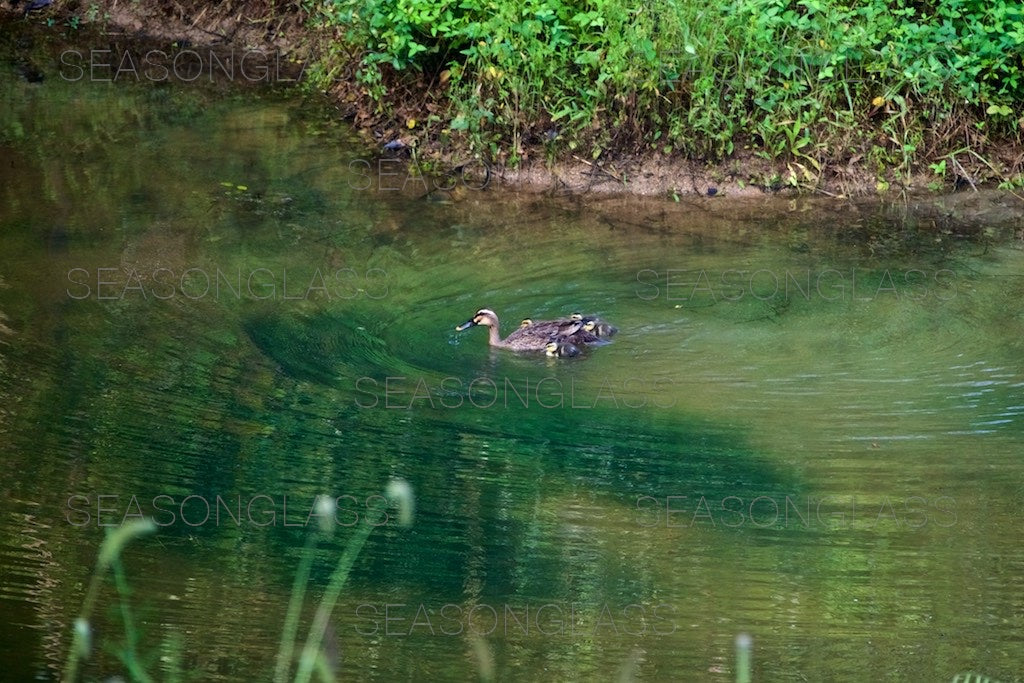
(600, 328)
(532, 337)
(595, 325)
(561, 349)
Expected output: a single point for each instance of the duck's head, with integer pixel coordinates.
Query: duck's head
(526, 322)
(484, 316)
(576, 316)
(551, 349)
(590, 325)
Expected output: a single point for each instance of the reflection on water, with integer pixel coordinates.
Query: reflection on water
(808, 428)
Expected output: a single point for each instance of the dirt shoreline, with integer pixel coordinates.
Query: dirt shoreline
(268, 27)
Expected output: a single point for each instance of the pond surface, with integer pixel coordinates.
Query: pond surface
(809, 428)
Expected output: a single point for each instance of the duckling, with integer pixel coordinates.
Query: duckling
(561, 350)
(593, 324)
(600, 328)
(526, 322)
(532, 337)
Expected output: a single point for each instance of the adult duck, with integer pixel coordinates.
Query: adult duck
(533, 336)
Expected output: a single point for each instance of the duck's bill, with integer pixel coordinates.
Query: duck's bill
(465, 326)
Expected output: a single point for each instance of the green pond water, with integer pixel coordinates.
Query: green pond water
(809, 428)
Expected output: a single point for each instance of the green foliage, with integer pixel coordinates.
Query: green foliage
(783, 77)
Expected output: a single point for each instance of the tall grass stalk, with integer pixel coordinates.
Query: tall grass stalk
(109, 556)
(398, 491)
(291, 620)
(129, 656)
(314, 639)
(743, 645)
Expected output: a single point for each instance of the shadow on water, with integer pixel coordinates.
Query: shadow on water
(522, 413)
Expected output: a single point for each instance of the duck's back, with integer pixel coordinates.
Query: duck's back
(543, 331)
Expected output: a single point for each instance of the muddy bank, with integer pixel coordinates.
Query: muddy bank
(279, 32)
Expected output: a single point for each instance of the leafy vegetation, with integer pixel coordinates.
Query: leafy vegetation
(895, 83)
